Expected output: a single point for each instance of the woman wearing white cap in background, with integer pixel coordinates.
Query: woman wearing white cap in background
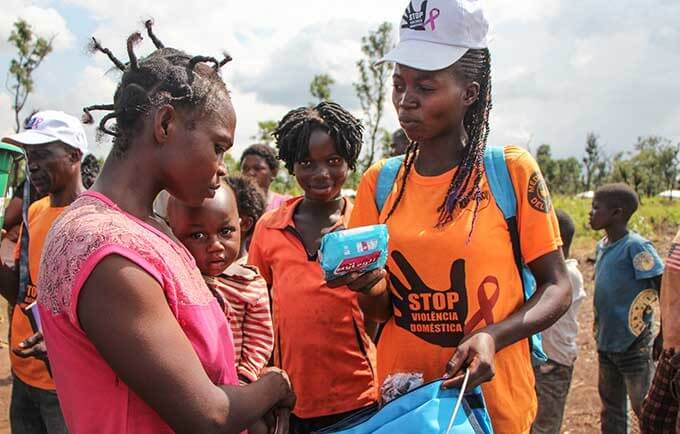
(452, 297)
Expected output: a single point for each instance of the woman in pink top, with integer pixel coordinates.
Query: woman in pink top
(136, 341)
(261, 164)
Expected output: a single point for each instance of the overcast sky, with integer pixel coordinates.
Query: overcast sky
(561, 68)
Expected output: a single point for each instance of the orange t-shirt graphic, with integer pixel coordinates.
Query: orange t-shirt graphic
(443, 286)
(32, 371)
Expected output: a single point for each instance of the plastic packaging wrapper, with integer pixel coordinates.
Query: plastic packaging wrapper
(396, 385)
(360, 249)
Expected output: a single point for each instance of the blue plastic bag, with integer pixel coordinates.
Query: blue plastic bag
(427, 409)
(360, 249)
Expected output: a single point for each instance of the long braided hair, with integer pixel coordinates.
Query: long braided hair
(475, 65)
(166, 76)
(293, 132)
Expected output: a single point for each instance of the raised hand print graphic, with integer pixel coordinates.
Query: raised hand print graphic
(435, 315)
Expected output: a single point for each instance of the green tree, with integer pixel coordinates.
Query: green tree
(264, 132)
(621, 169)
(594, 163)
(646, 161)
(563, 176)
(320, 87)
(547, 165)
(669, 160)
(628, 170)
(371, 89)
(31, 51)
(568, 176)
(657, 163)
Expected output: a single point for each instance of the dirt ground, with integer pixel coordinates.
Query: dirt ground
(583, 406)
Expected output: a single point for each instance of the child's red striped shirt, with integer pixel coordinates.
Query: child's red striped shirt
(247, 307)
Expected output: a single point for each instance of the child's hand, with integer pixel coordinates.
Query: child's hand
(478, 353)
(369, 283)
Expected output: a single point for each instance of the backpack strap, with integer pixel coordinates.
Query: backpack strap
(503, 192)
(499, 180)
(386, 179)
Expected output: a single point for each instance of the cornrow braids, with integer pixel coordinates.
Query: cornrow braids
(293, 132)
(475, 65)
(166, 76)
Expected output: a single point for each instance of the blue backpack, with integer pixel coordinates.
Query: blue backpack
(428, 409)
(504, 193)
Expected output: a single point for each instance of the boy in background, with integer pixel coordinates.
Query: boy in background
(553, 378)
(627, 278)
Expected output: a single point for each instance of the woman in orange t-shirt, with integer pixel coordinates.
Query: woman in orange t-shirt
(453, 297)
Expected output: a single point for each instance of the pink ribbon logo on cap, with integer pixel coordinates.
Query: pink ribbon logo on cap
(34, 123)
(431, 20)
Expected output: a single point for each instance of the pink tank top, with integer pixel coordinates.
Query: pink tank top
(92, 397)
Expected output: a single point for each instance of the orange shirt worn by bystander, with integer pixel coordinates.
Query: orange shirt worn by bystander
(31, 370)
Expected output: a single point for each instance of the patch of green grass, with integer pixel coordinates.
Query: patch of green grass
(654, 215)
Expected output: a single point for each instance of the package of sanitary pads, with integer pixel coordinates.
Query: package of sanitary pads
(360, 249)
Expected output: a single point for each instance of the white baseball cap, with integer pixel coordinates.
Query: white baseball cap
(434, 34)
(51, 126)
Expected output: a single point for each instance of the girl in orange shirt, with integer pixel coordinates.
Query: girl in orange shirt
(453, 297)
(320, 335)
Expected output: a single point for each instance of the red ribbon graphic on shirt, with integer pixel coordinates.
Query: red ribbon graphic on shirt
(486, 305)
(434, 14)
